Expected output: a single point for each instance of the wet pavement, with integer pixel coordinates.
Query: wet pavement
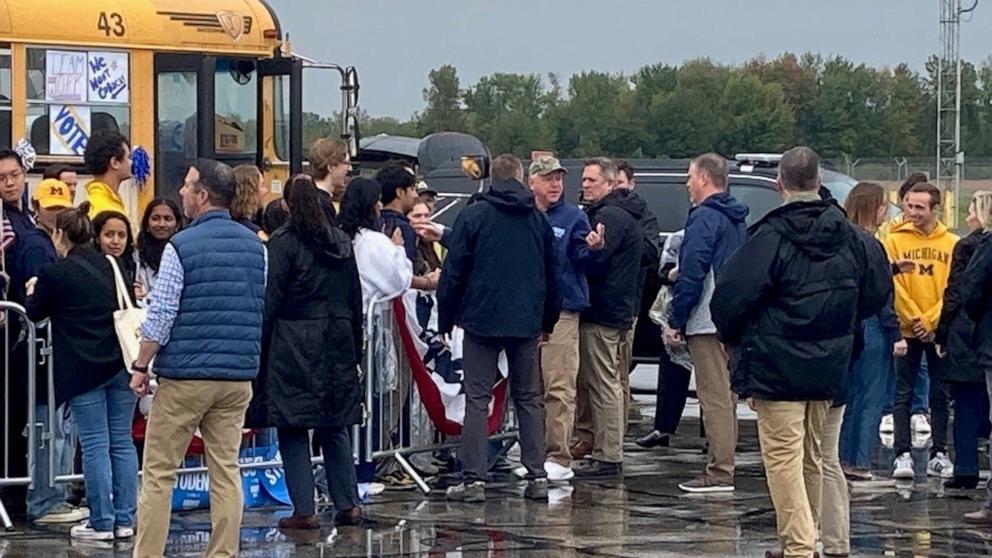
(642, 515)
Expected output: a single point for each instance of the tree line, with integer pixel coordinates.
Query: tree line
(764, 105)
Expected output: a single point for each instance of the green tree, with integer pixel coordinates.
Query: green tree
(443, 95)
(510, 112)
(757, 117)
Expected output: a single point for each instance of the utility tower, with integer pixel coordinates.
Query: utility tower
(950, 156)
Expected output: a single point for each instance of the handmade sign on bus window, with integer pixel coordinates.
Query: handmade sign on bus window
(65, 76)
(70, 129)
(108, 77)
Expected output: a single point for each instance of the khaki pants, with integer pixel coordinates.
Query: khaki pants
(559, 370)
(718, 404)
(835, 519)
(790, 434)
(626, 359)
(181, 406)
(600, 392)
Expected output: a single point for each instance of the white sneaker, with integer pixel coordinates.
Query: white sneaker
(64, 514)
(940, 466)
(87, 533)
(921, 424)
(123, 532)
(903, 467)
(557, 472)
(887, 425)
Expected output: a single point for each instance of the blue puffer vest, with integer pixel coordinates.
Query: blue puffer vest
(218, 330)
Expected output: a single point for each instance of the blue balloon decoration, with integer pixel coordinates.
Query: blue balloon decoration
(141, 166)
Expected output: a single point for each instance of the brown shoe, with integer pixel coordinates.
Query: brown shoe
(781, 554)
(349, 517)
(580, 450)
(300, 522)
(981, 517)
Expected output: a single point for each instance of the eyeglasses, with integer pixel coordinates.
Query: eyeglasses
(14, 176)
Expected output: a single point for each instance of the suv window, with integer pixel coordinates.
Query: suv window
(759, 199)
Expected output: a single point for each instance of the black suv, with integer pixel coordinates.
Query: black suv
(661, 182)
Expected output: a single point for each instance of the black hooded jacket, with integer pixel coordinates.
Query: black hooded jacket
(312, 334)
(790, 300)
(614, 276)
(501, 276)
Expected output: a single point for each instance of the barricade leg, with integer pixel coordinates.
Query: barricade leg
(413, 473)
(5, 518)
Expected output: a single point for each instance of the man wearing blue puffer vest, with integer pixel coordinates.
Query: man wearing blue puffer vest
(204, 329)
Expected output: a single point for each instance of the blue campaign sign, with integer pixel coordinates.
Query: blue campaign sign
(70, 129)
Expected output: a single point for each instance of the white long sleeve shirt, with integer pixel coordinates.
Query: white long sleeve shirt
(383, 267)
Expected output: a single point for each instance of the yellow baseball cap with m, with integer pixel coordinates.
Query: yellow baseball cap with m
(52, 193)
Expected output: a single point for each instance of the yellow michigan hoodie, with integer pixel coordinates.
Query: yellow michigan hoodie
(920, 294)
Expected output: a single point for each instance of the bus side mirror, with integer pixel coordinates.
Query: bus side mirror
(475, 167)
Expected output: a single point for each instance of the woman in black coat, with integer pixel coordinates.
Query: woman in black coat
(955, 336)
(78, 293)
(313, 329)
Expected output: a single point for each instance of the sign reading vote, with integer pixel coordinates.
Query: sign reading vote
(65, 76)
(70, 129)
(108, 77)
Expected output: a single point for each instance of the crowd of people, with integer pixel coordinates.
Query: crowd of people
(820, 317)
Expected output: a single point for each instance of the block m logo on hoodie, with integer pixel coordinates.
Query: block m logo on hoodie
(926, 269)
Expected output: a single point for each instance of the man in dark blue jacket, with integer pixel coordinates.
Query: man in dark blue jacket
(501, 284)
(399, 194)
(714, 230)
(576, 245)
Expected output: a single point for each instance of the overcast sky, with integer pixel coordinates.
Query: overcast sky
(395, 43)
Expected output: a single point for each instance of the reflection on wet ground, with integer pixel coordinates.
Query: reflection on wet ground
(644, 515)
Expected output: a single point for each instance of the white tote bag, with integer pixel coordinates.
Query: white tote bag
(127, 318)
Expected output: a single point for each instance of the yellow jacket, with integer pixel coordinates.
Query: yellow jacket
(920, 294)
(103, 198)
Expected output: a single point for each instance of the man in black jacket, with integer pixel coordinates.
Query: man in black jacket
(614, 286)
(648, 279)
(500, 283)
(790, 300)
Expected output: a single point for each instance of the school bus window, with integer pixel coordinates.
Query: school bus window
(176, 130)
(73, 94)
(235, 106)
(5, 113)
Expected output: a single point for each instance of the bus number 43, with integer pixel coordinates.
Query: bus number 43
(111, 23)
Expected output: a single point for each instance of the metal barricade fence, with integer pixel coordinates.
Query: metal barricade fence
(18, 336)
(393, 415)
(395, 426)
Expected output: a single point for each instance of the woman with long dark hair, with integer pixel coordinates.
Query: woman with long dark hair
(112, 236)
(382, 263)
(161, 220)
(79, 296)
(313, 328)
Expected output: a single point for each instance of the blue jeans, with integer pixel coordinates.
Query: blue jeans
(110, 462)
(921, 393)
(867, 382)
(43, 498)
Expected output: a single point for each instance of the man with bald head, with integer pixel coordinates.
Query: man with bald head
(790, 301)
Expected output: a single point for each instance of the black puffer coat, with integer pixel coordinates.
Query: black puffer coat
(614, 273)
(790, 300)
(956, 332)
(313, 334)
(976, 297)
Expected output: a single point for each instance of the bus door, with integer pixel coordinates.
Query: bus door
(287, 74)
(205, 106)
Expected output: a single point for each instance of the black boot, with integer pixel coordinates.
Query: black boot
(654, 439)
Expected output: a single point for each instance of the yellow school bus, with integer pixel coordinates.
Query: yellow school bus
(182, 79)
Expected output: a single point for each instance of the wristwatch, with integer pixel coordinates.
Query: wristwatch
(136, 368)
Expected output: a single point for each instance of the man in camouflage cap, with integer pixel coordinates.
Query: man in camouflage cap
(574, 243)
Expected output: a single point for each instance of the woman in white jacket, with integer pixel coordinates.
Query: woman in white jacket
(383, 267)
